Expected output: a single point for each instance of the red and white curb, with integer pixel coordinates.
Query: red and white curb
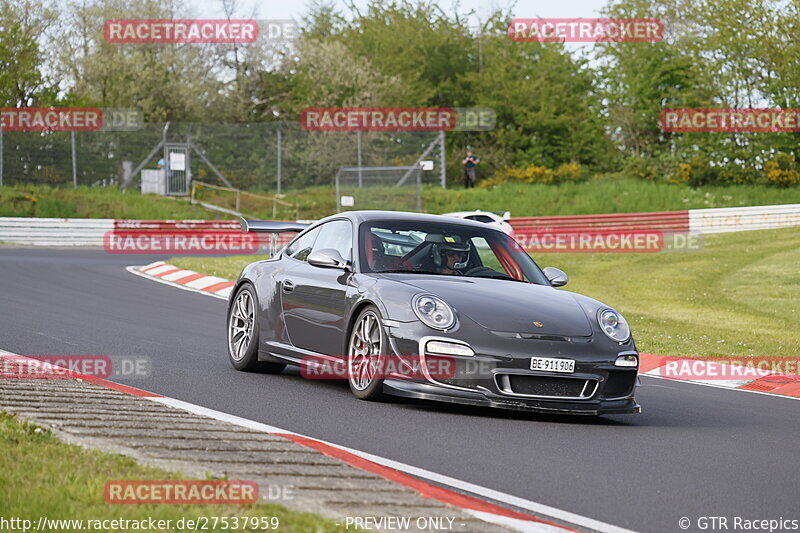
(429, 484)
(184, 279)
(713, 373)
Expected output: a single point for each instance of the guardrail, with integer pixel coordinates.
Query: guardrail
(90, 232)
(673, 221)
(94, 232)
(55, 231)
(695, 221)
(727, 219)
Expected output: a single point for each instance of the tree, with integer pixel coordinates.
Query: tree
(22, 82)
(167, 81)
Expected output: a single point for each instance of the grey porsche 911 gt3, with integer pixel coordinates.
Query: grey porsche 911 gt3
(429, 307)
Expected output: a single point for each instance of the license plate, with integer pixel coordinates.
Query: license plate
(551, 364)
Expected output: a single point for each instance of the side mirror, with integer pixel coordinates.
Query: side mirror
(327, 258)
(557, 277)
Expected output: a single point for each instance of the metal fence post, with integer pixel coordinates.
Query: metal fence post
(280, 177)
(419, 190)
(74, 163)
(360, 181)
(1, 155)
(442, 160)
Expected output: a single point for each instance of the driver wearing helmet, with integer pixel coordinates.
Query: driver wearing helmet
(450, 256)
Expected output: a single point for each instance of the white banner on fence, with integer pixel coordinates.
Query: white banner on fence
(720, 220)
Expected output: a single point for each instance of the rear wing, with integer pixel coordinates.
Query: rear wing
(271, 226)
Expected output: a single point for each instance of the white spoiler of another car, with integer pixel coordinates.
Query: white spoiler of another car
(271, 226)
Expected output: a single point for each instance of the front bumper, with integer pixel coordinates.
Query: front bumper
(426, 391)
(499, 374)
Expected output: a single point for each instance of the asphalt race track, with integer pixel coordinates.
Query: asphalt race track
(694, 451)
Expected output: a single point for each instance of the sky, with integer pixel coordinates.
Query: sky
(294, 9)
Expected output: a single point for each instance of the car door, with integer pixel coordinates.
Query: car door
(314, 297)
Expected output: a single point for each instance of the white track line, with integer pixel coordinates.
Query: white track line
(543, 511)
(723, 387)
(508, 499)
(458, 485)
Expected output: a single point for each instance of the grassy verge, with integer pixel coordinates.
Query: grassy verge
(224, 267)
(43, 476)
(623, 195)
(605, 195)
(739, 295)
(95, 202)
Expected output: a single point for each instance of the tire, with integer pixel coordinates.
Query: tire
(358, 355)
(243, 334)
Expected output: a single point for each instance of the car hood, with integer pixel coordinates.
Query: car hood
(507, 306)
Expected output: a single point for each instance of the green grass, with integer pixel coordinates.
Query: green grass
(605, 195)
(95, 202)
(224, 267)
(617, 195)
(739, 295)
(42, 476)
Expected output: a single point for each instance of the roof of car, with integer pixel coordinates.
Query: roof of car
(362, 216)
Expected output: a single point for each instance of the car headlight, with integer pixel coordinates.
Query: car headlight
(614, 325)
(434, 312)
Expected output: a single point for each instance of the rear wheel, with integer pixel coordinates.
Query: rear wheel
(366, 349)
(243, 333)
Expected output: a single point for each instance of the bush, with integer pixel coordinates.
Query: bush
(642, 168)
(569, 172)
(499, 178)
(782, 171)
(565, 173)
(698, 172)
(684, 173)
(532, 174)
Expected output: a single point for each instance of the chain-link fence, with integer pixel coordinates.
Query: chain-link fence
(266, 157)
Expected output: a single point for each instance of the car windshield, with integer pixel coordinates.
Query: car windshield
(441, 248)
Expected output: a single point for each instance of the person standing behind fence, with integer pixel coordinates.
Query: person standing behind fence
(469, 163)
(161, 166)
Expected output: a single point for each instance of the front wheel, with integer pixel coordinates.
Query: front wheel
(366, 349)
(243, 333)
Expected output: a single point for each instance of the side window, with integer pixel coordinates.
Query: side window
(301, 246)
(336, 235)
